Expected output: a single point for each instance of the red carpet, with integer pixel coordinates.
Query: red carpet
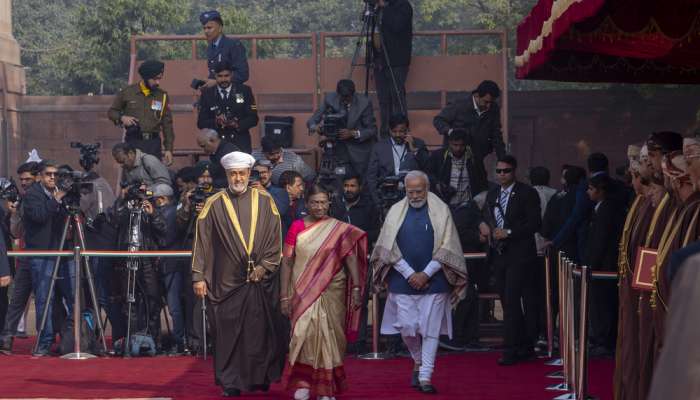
(460, 376)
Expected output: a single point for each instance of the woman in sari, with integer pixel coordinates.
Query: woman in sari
(323, 278)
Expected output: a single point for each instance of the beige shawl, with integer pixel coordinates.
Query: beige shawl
(447, 249)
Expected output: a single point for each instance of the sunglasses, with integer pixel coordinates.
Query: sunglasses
(504, 170)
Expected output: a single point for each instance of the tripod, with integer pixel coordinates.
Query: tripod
(371, 18)
(73, 220)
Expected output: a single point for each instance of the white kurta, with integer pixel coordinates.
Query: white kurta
(427, 315)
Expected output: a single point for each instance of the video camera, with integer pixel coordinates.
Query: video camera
(333, 122)
(391, 189)
(88, 154)
(74, 183)
(200, 194)
(136, 193)
(8, 190)
(197, 83)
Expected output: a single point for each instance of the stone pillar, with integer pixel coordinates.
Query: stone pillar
(9, 48)
(12, 89)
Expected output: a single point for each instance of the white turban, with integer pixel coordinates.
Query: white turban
(237, 160)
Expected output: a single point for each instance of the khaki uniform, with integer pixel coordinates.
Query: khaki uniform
(152, 111)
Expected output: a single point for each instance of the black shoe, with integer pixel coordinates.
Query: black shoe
(414, 379)
(427, 388)
(231, 392)
(260, 388)
(6, 345)
(507, 361)
(526, 355)
(600, 352)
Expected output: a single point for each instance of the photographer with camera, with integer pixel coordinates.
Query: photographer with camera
(454, 171)
(135, 209)
(13, 225)
(354, 138)
(5, 244)
(260, 178)
(143, 110)
(480, 116)
(393, 45)
(44, 216)
(171, 271)
(222, 49)
(229, 108)
(191, 204)
(139, 167)
(212, 145)
(390, 156)
(281, 160)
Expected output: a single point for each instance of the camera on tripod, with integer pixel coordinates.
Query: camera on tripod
(8, 190)
(75, 184)
(88, 154)
(333, 122)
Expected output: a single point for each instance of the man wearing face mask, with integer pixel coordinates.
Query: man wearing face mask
(235, 262)
(390, 156)
(419, 257)
(143, 110)
(356, 208)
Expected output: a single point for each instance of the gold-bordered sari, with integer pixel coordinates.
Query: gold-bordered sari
(322, 317)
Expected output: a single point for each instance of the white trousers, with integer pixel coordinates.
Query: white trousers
(420, 319)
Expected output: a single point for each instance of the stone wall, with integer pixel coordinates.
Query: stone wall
(546, 128)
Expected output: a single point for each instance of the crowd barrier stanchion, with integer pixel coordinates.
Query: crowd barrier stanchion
(375, 354)
(582, 381)
(77, 313)
(570, 364)
(548, 305)
(563, 329)
(559, 361)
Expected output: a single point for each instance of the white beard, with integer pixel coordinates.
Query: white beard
(239, 188)
(417, 204)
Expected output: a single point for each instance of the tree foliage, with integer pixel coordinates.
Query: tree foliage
(82, 46)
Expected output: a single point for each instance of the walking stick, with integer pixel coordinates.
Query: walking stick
(204, 325)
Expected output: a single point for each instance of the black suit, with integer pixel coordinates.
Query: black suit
(353, 152)
(439, 170)
(381, 162)
(603, 239)
(43, 219)
(239, 103)
(485, 135)
(513, 261)
(396, 28)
